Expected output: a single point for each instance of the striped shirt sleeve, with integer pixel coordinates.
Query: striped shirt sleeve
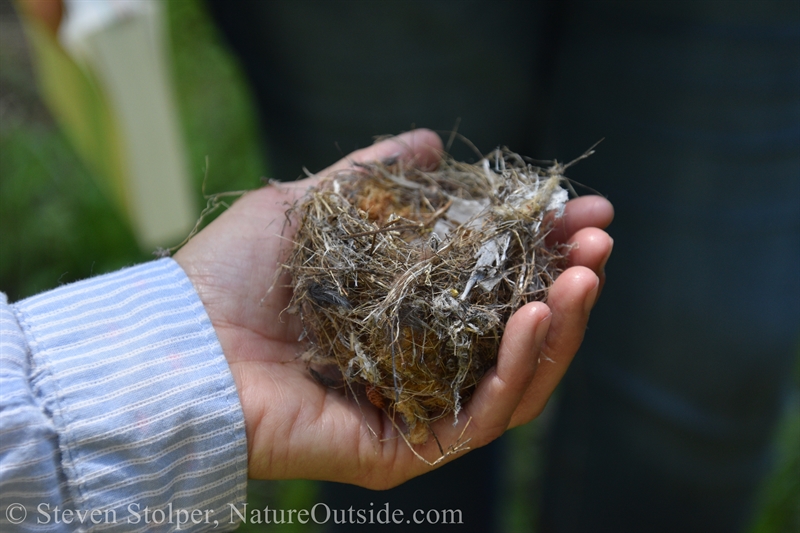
(118, 411)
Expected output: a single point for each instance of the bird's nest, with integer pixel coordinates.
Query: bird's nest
(404, 279)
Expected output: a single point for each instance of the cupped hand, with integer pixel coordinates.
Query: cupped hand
(296, 428)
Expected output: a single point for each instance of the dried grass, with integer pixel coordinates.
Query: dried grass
(404, 279)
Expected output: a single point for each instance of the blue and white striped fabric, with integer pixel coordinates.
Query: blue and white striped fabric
(117, 409)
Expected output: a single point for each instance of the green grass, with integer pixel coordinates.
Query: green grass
(779, 503)
(56, 226)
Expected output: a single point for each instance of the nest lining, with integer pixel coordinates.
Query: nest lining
(404, 279)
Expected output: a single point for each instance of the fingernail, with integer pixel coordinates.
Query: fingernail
(541, 330)
(591, 298)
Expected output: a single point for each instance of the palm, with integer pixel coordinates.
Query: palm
(233, 275)
(297, 428)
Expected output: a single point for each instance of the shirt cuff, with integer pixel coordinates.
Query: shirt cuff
(129, 369)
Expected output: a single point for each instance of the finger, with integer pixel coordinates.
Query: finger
(591, 248)
(570, 300)
(583, 212)
(502, 388)
(421, 147)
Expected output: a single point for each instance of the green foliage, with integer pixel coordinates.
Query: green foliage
(276, 495)
(779, 509)
(521, 487)
(218, 116)
(55, 224)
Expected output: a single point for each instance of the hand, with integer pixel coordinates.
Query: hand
(297, 428)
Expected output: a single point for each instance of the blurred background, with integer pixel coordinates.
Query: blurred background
(59, 223)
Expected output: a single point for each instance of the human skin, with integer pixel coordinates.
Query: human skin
(297, 428)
